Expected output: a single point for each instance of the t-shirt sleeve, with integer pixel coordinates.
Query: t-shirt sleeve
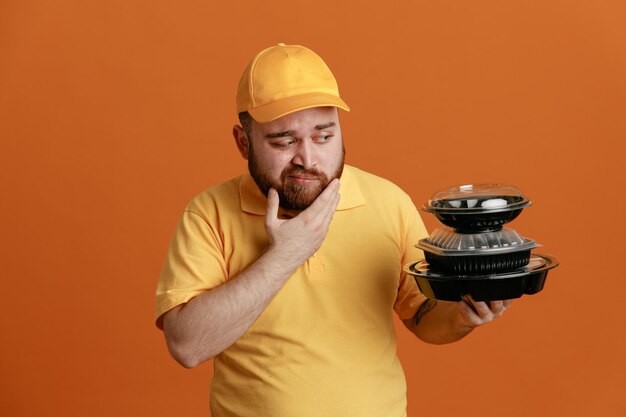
(194, 263)
(409, 296)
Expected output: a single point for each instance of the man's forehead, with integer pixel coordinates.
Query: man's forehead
(310, 119)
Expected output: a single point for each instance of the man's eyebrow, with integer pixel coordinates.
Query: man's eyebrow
(292, 132)
(324, 126)
(280, 134)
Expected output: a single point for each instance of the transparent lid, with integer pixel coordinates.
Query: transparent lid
(445, 241)
(477, 198)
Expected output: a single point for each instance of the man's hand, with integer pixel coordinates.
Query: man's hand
(441, 322)
(297, 239)
(476, 313)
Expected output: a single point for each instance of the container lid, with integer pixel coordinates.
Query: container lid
(477, 198)
(445, 241)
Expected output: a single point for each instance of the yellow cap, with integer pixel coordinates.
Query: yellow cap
(284, 79)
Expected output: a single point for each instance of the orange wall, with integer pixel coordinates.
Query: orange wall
(114, 114)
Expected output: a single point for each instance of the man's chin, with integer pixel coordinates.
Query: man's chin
(298, 200)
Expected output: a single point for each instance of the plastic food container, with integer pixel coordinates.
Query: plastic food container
(436, 284)
(477, 253)
(477, 207)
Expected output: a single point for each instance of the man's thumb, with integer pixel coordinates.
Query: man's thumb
(272, 205)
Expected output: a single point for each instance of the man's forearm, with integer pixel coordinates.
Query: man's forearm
(210, 322)
(438, 322)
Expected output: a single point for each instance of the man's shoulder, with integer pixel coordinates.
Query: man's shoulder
(372, 183)
(224, 194)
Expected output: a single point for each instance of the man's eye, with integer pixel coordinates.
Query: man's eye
(283, 144)
(324, 138)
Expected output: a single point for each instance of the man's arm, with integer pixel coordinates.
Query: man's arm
(442, 322)
(214, 320)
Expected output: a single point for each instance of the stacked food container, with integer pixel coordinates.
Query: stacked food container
(475, 255)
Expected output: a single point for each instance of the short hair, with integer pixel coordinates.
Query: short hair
(246, 123)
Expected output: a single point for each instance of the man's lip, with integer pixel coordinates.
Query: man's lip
(303, 177)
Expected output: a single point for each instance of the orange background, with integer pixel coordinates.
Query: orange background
(113, 114)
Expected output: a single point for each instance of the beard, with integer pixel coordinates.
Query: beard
(294, 197)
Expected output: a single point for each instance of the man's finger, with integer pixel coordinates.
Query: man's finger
(272, 206)
(330, 207)
(326, 197)
(467, 301)
(481, 307)
(328, 211)
(467, 308)
(496, 306)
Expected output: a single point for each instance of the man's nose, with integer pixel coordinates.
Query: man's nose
(305, 155)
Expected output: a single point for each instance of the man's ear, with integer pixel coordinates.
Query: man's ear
(241, 139)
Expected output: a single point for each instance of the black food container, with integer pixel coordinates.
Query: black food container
(477, 207)
(440, 285)
(475, 255)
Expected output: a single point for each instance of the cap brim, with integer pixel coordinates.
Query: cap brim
(279, 108)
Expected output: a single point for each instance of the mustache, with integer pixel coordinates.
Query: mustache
(301, 171)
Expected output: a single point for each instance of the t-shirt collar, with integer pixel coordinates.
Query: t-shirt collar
(253, 201)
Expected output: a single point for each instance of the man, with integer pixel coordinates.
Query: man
(288, 275)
